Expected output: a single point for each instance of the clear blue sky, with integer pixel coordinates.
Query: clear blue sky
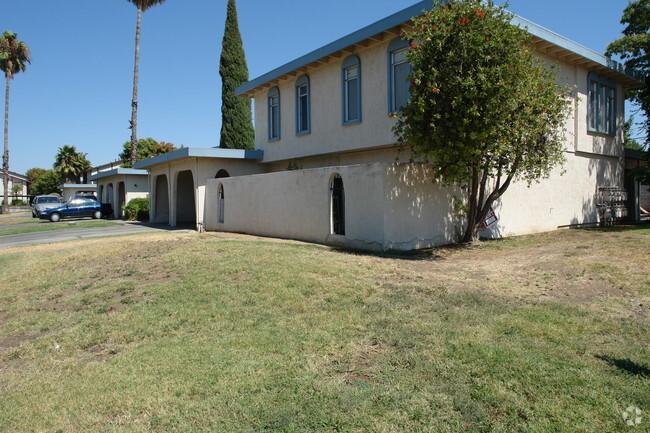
(78, 88)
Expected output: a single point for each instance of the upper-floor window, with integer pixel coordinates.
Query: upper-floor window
(601, 115)
(273, 98)
(351, 79)
(303, 120)
(398, 70)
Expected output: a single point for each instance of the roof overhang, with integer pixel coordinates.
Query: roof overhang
(118, 171)
(546, 41)
(200, 152)
(78, 186)
(636, 154)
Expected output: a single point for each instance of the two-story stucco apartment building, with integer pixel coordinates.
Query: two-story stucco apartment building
(324, 168)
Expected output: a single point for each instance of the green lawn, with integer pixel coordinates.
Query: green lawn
(181, 332)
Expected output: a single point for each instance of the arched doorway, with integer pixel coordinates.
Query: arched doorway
(162, 200)
(337, 203)
(109, 197)
(185, 205)
(121, 198)
(221, 204)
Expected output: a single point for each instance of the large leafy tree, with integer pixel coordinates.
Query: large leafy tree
(236, 120)
(14, 56)
(34, 173)
(70, 164)
(634, 49)
(483, 109)
(47, 183)
(142, 6)
(147, 147)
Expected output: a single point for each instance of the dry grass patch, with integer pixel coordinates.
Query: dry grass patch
(186, 332)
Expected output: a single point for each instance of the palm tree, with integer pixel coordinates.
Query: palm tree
(70, 164)
(14, 56)
(142, 6)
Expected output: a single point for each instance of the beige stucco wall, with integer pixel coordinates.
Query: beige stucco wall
(398, 206)
(387, 206)
(568, 197)
(135, 186)
(202, 170)
(327, 132)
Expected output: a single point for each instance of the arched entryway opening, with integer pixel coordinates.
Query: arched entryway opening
(121, 198)
(185, 204)
(222, 202)
(109, 197)
(162, 200)
(337, 205)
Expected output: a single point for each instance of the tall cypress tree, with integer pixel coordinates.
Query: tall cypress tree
(236, 120)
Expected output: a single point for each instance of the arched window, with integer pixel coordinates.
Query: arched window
(273, 98)
(351, 91)
(398, 70)
(222, 173)
(221, 204)
(303, 103)
(337, 215)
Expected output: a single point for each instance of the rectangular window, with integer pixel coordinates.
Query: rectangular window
(601, 105)
(303, 109)
(351, 105)
(274, 117)
(399, 85)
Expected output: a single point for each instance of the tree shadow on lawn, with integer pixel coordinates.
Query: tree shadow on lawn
(424, 254)
(626, 365)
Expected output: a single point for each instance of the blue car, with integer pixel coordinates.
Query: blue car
(77, 208)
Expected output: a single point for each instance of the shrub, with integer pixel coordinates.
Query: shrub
(137, 210)
(19, 202)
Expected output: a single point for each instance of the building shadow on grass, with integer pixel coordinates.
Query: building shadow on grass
(626, 365)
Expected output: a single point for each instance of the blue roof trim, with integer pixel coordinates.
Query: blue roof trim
(78, 185)
(415, 10)
(568, 44)
(351, 39)
(200, 152)
(118, 171)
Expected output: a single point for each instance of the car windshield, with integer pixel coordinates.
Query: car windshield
(48, 200)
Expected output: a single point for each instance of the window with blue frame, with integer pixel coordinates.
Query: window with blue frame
(273, 98)
(601, 115)
(303, 115)
(398, 70)
(351, 79)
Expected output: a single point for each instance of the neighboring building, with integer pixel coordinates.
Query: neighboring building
(70, 189)
(324, 169)
(14, 179)
(119, 185)
(638, 194)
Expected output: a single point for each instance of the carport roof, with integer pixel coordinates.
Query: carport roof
(200, 152)
(116, 171)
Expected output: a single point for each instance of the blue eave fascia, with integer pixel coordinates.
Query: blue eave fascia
(200, 152)
(416, 10)
(78, 185)
(118, 171)
(574, 47)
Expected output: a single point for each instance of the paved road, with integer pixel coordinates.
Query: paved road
(65, 235)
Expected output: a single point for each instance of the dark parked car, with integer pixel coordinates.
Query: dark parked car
(42, 202)
(78, 208)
